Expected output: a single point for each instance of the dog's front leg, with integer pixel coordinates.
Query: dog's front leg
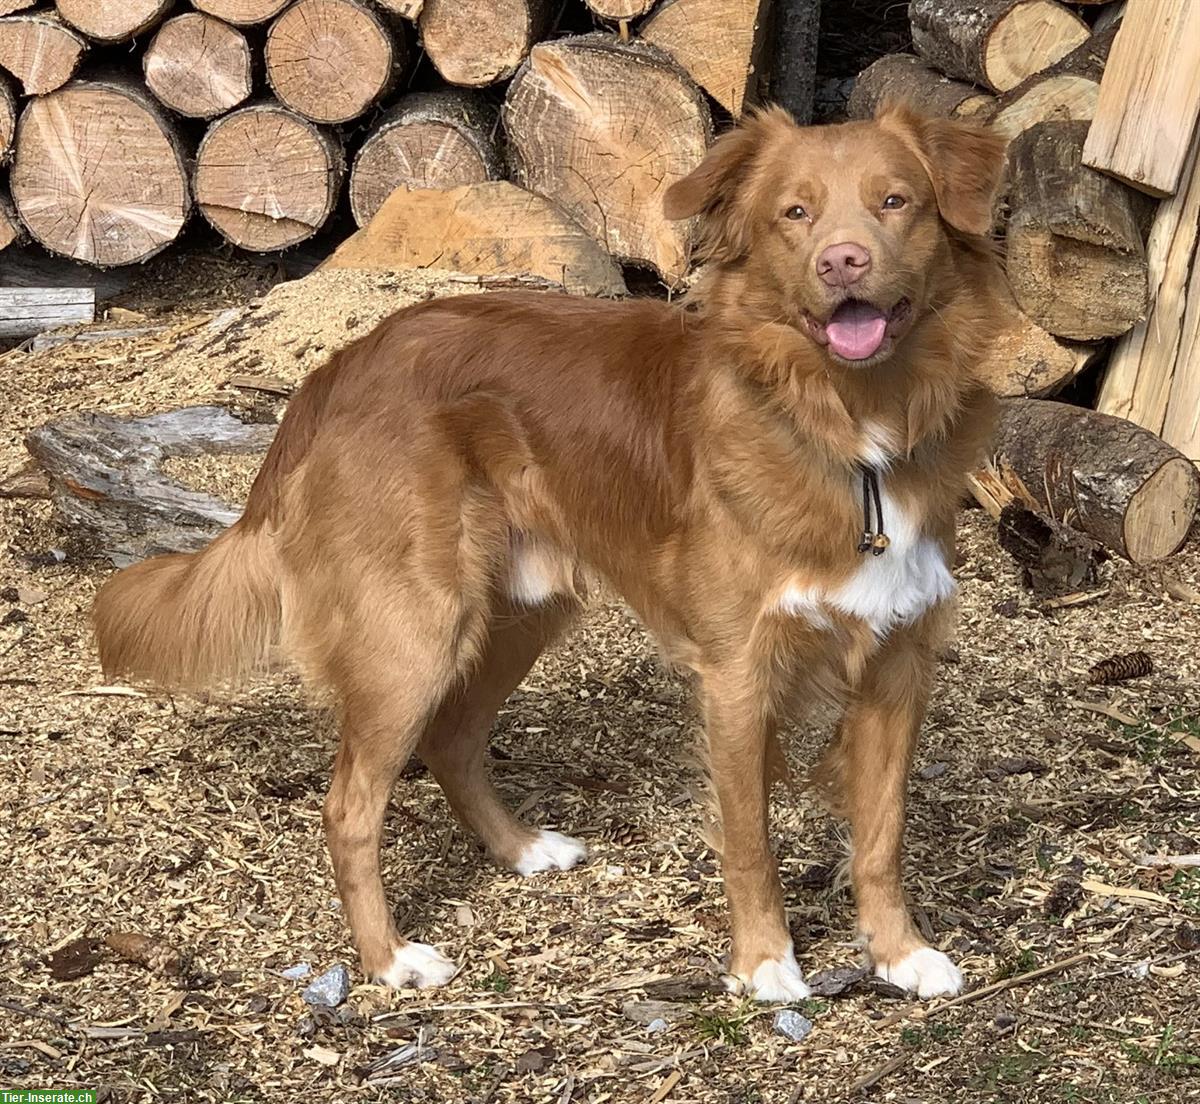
(763, 963)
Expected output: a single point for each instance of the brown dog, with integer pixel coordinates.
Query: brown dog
(769, 480)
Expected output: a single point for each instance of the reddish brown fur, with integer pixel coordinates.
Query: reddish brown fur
(698, 459)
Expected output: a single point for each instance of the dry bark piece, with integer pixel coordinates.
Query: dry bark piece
(487, 229)
(146, 950)
(1107, 477)
(99, 174)
(1120, 668)
(605, 128)
(428, 140)
(40, 51)
(75, 960)
(242, 13)
(908, 79)
(266, 178)
(198, 66)
(1054, 558)
(478, 42)
(106, 21)
(994, 43)
(616, 10)
(1075, 257)
(28, 311)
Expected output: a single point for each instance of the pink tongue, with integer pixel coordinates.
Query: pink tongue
(856, 330)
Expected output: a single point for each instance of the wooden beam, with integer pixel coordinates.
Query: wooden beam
(28, 311)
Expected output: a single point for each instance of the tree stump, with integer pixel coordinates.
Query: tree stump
(717, 42)
(994, 43)
(604, 128)
(428, 140)
(267, 178)
(99, 174)
(242, 13)
(198, 66)
(40, 51)
(903, 77)
(330, 60)
(106, 21)
(478, 42)
(1075, 257)
(489, 229)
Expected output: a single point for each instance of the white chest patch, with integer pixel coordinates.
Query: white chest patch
(537, 573)
(878, 447)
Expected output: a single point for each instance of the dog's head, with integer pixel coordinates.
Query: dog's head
(844, 231)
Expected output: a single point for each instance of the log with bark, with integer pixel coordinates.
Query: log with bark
(242, 13)
(1075, 255)
(792, 60)
(28, 311)
(41, 51)
(106, 21)
(1118, 483)
(488, 229)
(330, 60)
(994, 43)
(479, 42)
(267, 178)
(717, 42)
(908, 79)
(198, 66)
(99, 173)
(428, 140)
(603, 128)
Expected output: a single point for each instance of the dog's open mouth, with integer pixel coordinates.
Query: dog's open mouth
(857, 329)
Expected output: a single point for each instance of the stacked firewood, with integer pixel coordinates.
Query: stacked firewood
(121, 117)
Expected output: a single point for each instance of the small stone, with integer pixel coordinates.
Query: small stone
(31, 596)
(791, 1025)
(933, 770)
(295, 973)
(330, 989)
(655, 1026)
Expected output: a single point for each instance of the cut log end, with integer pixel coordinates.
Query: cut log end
(907, 79)
(40, 52)
(106, 21)
(616, 10)
(474, 43)
(1161, 512)
(198, 66)
(1032, 36)
(242, 13)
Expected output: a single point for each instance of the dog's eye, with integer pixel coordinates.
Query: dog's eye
(796, 213)
(894, 203)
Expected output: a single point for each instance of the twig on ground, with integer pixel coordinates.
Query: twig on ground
(879, 1073)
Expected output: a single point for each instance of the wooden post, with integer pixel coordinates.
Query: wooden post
(198, 66)
(793, 61)
(479, 42)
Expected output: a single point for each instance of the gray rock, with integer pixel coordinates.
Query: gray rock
(330, 989)
(655, 1026)
(295, 973)
(791, 1025)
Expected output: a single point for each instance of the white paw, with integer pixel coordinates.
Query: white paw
(417, 966)
(777, 980)
(550, 851)
(926, 972)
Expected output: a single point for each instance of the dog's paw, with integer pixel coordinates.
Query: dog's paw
(417, 966)
(774, 981)
(926, 972)
(550, 851)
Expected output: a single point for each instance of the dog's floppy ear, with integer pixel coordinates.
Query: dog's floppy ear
(713, 189)
(964, 161)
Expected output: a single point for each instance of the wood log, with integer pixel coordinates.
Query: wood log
(406, 9)
(428, 140)
(1150, 96)
(106, 477)
(1075, 257)
(1118, 483)
(478, 42)
(241, 13)
(8, 118)
(41, 51)
(267, 178)
(792, 62)
(717, 42)
(330, 60)
(994, 43)
(104, 21)
(604, 128)
(11, 7)
(616, 11)
(1067, 91)
(198, 66)
(488, 229)
(11, 230)
(908, 79)
(1055, 559)
(99, 173)
(28, 311)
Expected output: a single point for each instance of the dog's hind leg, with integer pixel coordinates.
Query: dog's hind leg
(455, 743)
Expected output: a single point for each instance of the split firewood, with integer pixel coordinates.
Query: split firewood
(104, 21)
(1068, 90)
(1108, 478)
(106, 477)
(489, 229)
(266, 178)
(8, 118)
(617, 10)
(569, 117)
(41, 51)
(717, 42)
(242, 13)
(908, 79)
(428, 140)
(407, 9)
(330, 60)
(11, 230)
(479, 42)
(28, 311)
(99, 174)
(198, 66)
(1120, 668)
(1074, 251)
(1150, 96)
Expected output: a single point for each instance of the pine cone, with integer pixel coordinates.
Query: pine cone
(625, 834)
(1118, 668)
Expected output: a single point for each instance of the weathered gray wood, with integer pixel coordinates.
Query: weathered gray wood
(28, 311)
(793, 59)
(106, 477)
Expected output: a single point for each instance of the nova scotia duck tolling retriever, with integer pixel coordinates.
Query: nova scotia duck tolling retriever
(768, 475)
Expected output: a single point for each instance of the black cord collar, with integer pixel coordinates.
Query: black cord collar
(873, 538)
